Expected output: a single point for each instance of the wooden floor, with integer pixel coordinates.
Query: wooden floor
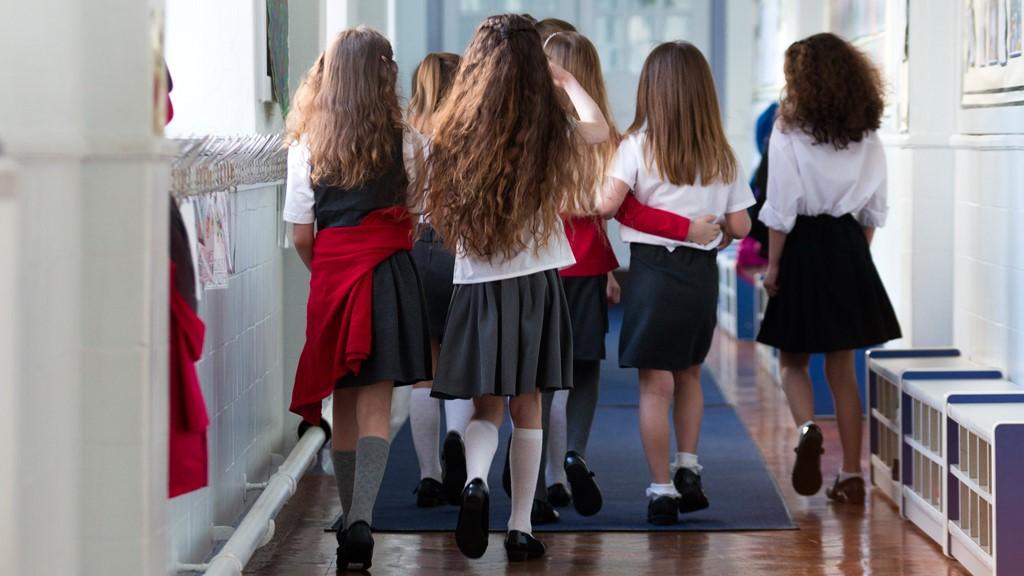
(831, 539)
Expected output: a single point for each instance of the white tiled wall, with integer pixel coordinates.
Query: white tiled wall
(989, 255)
(241, 375)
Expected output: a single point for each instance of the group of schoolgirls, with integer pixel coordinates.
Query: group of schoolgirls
(461, 249)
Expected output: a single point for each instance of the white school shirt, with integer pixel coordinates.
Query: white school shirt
(806, 178)
(692, 201)
(299, 197)
(556, 253)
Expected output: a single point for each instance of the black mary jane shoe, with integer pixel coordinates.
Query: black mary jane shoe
(663, 511)
(586, 494)
(558, 495)
(474, 517)
(520, 546)
(429, 493)
(355, 547)
(849, 491)
(543, 513)
(453, 462)
(807, 468)
(691, 492)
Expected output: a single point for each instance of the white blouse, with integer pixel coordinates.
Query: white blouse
(806, 178)
(556, 253)
(299, 198)
(692, 201)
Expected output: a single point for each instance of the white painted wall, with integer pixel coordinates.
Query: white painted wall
(242, 379)
(9, 422)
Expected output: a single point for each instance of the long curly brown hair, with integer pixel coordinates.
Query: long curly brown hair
(349, 126)
(504, 151)
(833, 91)
(431, 82)
(677, 105)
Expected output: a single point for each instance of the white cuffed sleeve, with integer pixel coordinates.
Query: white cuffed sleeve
(785, 187)
(626, 164)
(299, 198)
(741, 196)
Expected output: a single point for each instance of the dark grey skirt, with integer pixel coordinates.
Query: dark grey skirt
(401, 341)
(506, 338)
(831, 297)
(669, 307)
(437, 267)
(588, 309)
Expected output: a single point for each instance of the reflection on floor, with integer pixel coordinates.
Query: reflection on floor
(831, 540)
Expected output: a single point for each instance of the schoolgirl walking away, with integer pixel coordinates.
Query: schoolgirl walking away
(431, 82)
(503, 164)
(366, 322)
(826, 195)
(675, 157)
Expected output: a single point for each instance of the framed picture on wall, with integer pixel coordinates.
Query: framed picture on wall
(991, 42)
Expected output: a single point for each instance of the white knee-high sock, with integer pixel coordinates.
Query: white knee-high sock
(525, 465)
(554, 469)
(457, 414)
(481, 440)
(425, 420)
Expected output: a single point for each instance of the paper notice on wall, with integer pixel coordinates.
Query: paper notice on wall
(215, 262)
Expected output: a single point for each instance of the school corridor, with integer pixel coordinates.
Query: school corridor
(150, 378)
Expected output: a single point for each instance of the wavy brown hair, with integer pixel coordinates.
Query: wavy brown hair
(574, 52)
(504, 152)
(349, 126)
(431, 81)
(677, 104)
(833, 91)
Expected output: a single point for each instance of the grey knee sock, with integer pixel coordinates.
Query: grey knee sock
(371, 460)
(344, 473)
(581, 405)
(545, 402)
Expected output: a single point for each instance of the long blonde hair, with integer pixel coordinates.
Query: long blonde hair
(350, 127)
(504, 154)
(677, 104)
(574, 52)
(431, 81)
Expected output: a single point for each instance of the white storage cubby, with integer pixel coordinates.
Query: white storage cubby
(886, 371)
(924, 451)
(727, 301)
(985, 477)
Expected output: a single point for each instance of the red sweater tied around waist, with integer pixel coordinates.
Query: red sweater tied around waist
(187, 456)
(339, 315)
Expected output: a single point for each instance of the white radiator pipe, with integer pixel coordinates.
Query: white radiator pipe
(257, 528)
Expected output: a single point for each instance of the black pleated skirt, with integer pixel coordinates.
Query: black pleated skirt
(437, 268)
(669, 307)
(830, 295)
(588, 309)
(401, 340)
(506, 338)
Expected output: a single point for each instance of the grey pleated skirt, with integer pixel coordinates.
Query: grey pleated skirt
(669, 307)
(506, 338)
(401, 341)
(437, 267)
(588, 307)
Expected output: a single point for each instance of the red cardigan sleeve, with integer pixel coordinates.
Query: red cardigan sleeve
(652, 220)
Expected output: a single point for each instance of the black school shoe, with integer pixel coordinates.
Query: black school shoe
(520, 546)
(807, 468)
(474, 517)
(586, 494)
(453, 463)
(559, 496)
(543, 513)
(355, 546)
(429, 493)
(849, 491)
(662, 511)
(691, 492)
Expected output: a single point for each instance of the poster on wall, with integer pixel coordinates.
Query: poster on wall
(993, 66)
